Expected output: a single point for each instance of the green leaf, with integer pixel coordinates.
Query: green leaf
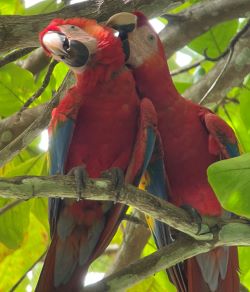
(12, 230)
(20, 260)
(199, 73)
(16, 86)
(43, 7)
(244, 106)
(244, 260)
(11, 7)
(216, 39)
(230, 180)
(13, 224)
(33, 166)
(40, 210)
(158, 282)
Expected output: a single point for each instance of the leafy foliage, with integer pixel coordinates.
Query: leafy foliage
(24, 231)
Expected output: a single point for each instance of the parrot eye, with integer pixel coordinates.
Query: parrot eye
(66, 44)
(151, 37)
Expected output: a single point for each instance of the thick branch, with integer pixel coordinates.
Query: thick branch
(22, 31)
(234, 74)
(33, 130)
(64, 186)
(199, 18)
(182, 249)
(13, 126)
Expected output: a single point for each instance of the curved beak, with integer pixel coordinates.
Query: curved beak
(124, 23)
(72, 52)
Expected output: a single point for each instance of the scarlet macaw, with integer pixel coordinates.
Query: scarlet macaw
(193, 138)
(101, 124)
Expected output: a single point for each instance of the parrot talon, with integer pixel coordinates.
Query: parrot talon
(194, 215)
(116, 175)
(81, 177)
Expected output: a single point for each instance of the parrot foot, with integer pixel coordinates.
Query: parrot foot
(81, 176)
(116, 175)
(195, 216)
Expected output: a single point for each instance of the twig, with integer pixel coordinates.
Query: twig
(228, 50)
(9, 206)
(187, 68)
(42, 88)
(13, 56)
(24, 275)
(134, 219)
(218, 77)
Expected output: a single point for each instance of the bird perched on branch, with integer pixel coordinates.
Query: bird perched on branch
(193, 138)
(100, 126)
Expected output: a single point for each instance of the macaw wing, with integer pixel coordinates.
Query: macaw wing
(222, 139)
(60, 138)
(214, 265)
(141, 156)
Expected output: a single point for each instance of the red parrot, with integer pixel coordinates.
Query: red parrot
(193, 138)
(100, 124)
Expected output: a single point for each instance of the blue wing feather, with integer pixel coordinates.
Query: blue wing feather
(59, 145)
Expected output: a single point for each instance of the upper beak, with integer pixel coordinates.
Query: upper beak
(123, 21)
(72, 52)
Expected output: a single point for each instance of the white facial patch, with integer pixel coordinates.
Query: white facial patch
(143, 43)
(53, 42)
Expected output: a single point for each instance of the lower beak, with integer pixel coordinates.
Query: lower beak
(72, 52)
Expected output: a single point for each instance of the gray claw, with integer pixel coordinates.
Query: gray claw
(81, 176)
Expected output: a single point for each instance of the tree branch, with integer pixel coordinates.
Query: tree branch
(199, 18)
(9, 206)
(26, 187)
(36, 61)
(182, 249)
(22, 31)
(13, 56)
(234, 74)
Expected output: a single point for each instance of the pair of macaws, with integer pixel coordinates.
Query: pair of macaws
(108, 123)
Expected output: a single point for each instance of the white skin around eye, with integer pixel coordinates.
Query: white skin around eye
(143, 43)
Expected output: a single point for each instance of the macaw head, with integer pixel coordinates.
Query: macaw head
(144, 43)
(81, 43)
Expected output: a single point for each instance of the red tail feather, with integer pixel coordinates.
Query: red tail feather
(229, 284)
